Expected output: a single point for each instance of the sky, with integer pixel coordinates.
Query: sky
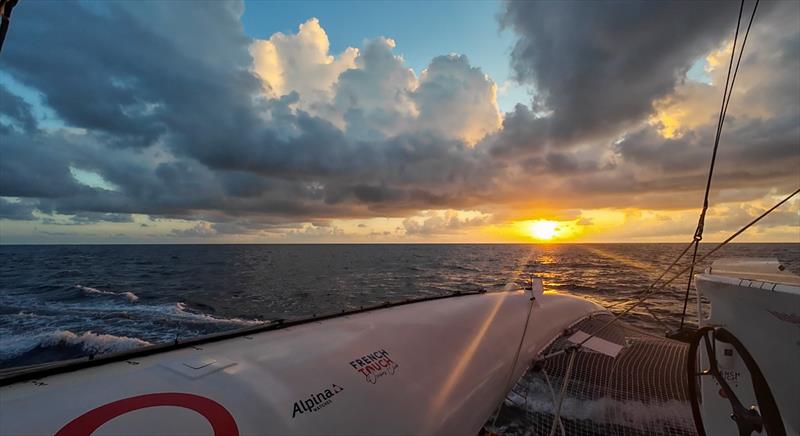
(392, 122)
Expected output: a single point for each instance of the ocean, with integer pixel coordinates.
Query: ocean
(61, 302)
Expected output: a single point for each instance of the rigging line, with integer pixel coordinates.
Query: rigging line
(739, 60)
(660, 321)
(689, 281)
(655, 282)
(726, 98)
(683, 271)
(663, 273)
(698, 234)
(516, 355)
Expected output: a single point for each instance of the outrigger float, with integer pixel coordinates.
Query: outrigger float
(436, 366)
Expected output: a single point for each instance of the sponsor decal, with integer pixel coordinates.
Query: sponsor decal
(317, 401)
(731, 376)
(222, 423)
(375, 365)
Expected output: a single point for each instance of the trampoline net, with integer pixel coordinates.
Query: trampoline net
(641, 391)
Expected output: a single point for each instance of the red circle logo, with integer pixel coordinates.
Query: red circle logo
(220, 419)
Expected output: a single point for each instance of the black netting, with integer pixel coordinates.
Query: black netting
(641, 391)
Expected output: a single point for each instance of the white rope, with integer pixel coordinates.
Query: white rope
(557, 417)
(553, 395)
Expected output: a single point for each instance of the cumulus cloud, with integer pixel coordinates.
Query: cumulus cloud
(371, 94)
(300, 63)
(374, 99)
(457, 100)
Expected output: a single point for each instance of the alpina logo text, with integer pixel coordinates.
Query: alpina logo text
(375, 365)
(316, 401)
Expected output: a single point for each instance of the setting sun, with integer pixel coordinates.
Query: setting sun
(543, 230)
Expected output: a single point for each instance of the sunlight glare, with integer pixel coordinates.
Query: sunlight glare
(543, 230)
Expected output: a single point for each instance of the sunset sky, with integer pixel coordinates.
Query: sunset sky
(212, 122)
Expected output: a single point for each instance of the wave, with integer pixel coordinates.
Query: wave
(87, 342)
(182, 310)
(179, 312)
(35, 331)
(130, 296)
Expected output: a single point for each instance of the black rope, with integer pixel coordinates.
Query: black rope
(5, 19)
(726, 98)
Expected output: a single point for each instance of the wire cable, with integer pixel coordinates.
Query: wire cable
(726, 99)
(683, 271)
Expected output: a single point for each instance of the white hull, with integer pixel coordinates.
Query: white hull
(435, 367)
(761, 308)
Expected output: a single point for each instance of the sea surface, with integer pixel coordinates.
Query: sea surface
(60, 302)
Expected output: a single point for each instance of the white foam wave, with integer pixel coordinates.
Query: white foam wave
(47, 323)
(130, 296)
(181, 310)
(606, 410)
(102, 309)
(90, 342)
(93, 342)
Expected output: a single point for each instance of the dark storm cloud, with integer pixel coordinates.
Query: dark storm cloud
(598, 68)
(22, 211)
(17, 110)
(31, 168)
(599, 65)
(132, 71)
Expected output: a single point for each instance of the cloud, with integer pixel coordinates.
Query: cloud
(300, 63)
(371, 94)
(374, 99)
(17, 111)
(94, 217)
(240, 136)
(16, 210)
(598, 66)
(457, 100)
(438, 222)
(201, 229)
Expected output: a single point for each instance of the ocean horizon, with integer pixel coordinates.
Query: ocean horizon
(66, 301)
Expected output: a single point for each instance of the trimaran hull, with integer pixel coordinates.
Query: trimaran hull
(434, 367)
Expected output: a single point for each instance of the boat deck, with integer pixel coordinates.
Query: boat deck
(641, 391)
